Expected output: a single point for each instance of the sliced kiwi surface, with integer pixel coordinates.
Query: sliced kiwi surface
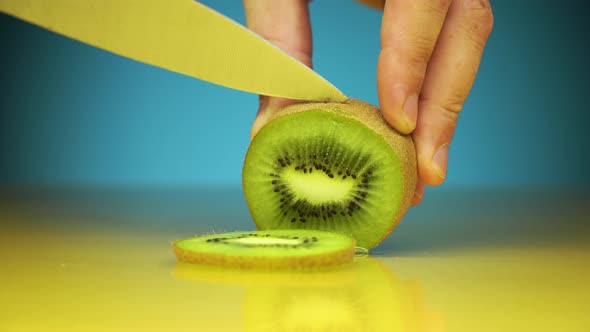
(270, 249)
(332, 167)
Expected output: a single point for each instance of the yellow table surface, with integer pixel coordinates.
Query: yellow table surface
(100, 260)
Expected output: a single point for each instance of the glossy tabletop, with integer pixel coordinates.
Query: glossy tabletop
(100, 260)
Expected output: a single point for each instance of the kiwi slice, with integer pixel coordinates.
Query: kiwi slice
(281, 249)
(333, 167)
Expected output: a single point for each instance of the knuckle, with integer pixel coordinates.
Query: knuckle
(477, 26)
(416, 51)
(486, 19)
(454, 102)
(479, 12)
(410, 47)
(430, 5)
(421, 50)
(441, 5)
(448, 110)
(409, 63)
(453, 108)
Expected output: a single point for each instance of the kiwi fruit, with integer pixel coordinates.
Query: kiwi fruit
(335, 167)
(271, 249)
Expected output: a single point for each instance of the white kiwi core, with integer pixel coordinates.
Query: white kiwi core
(265, 241)
(318, 187)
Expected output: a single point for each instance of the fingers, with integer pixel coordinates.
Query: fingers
(450, 75)
(286, 24)
(409, 33)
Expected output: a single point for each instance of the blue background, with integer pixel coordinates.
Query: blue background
(73, 115)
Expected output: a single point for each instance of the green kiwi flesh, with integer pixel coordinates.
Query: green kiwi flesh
(270, 249)
(332, 167)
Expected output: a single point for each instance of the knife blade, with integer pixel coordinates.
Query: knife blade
(182, 36)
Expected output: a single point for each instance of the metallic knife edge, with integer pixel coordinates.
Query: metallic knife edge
(182, 36)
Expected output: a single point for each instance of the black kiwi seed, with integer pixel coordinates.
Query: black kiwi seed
(333, 160)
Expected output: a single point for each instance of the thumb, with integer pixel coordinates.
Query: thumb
(286, 25)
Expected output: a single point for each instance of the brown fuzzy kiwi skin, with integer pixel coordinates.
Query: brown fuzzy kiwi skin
(371, 116)
(336, 258)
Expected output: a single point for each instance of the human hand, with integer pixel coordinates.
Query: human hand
(430, 54)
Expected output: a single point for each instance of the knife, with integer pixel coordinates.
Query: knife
(182, 36)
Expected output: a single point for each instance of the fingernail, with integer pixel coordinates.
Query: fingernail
(439, 160)
(411, 111)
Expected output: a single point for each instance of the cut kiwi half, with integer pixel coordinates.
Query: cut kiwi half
(270, 249)
(335, 167)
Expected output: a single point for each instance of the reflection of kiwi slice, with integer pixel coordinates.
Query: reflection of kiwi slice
(363, 296)
(367, 299)
(288, 249)
(334, 167)
(326, 276)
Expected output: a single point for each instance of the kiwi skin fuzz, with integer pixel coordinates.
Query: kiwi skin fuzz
(371, 116)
